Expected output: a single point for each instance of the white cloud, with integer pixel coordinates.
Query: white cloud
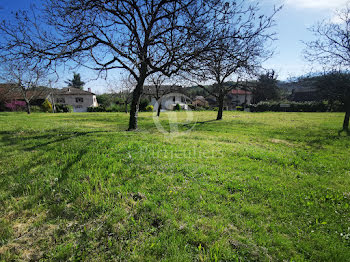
(317, 4)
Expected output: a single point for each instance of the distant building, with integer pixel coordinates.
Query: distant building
(11, 97)
(169, 96)
(234, 98)
(79, 99)
(169, 101)
(302, 94)
(200, 101)
(240, 97)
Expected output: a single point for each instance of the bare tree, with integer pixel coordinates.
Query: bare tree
(157, 88)
(25, 80)
(141, 37)
(123, 89)
(241, 37)
(331, 49)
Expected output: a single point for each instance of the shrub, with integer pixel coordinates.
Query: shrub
(36, 109)
(192, 107)
(201, 108)
(47, 106)
(143, 104)
(100, 108)
(61, 108)
(113, 108)
(2, 107)
(177, 107)
(336, 106)
(149, 108)
(16, 106)
(239, 108)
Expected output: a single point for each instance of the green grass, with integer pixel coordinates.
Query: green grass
(263, 186)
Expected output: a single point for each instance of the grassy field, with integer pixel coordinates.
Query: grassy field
(252, 187)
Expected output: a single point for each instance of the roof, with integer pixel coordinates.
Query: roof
(11, 92)
(240, 92)
(163, 89)
(72, 91)
(200, 98)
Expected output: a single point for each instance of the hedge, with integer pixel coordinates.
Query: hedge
(315, 106)
(62, 108)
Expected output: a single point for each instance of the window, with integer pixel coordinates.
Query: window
(60, 101)
(79, 99)
(174, 99)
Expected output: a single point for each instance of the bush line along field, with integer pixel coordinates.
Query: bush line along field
(252, 187)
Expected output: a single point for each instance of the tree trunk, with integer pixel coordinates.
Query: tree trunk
(221, 107)
(27, 106)
(346, 119)
(135, 103)
(126, 107)
(159, 107)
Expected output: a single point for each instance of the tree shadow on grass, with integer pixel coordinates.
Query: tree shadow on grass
(17, 180)
(11, 138)
(39, 180)
(67, 135)
(203, 122)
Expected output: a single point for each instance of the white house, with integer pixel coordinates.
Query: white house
(169, 101)
(79, 99)
(168, 96)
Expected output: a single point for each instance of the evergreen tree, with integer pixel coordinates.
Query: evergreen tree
(266, 88)
(76, 82)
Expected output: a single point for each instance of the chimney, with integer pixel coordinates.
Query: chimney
(89, 89)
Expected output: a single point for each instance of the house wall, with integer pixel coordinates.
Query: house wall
(240, 99)
(169, 102)
(78, 106)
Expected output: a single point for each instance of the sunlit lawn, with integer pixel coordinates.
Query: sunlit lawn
(254, 186)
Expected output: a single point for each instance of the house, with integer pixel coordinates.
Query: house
(11, 97)
(303, 94)
(200, 101)
(240, 97)
(168, 102)
(168, 95)
(236, 97)
(79, 99)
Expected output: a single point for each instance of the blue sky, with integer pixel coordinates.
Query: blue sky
(292, 23)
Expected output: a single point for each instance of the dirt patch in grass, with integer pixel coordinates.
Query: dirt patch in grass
(281, 141)
(29, 239)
